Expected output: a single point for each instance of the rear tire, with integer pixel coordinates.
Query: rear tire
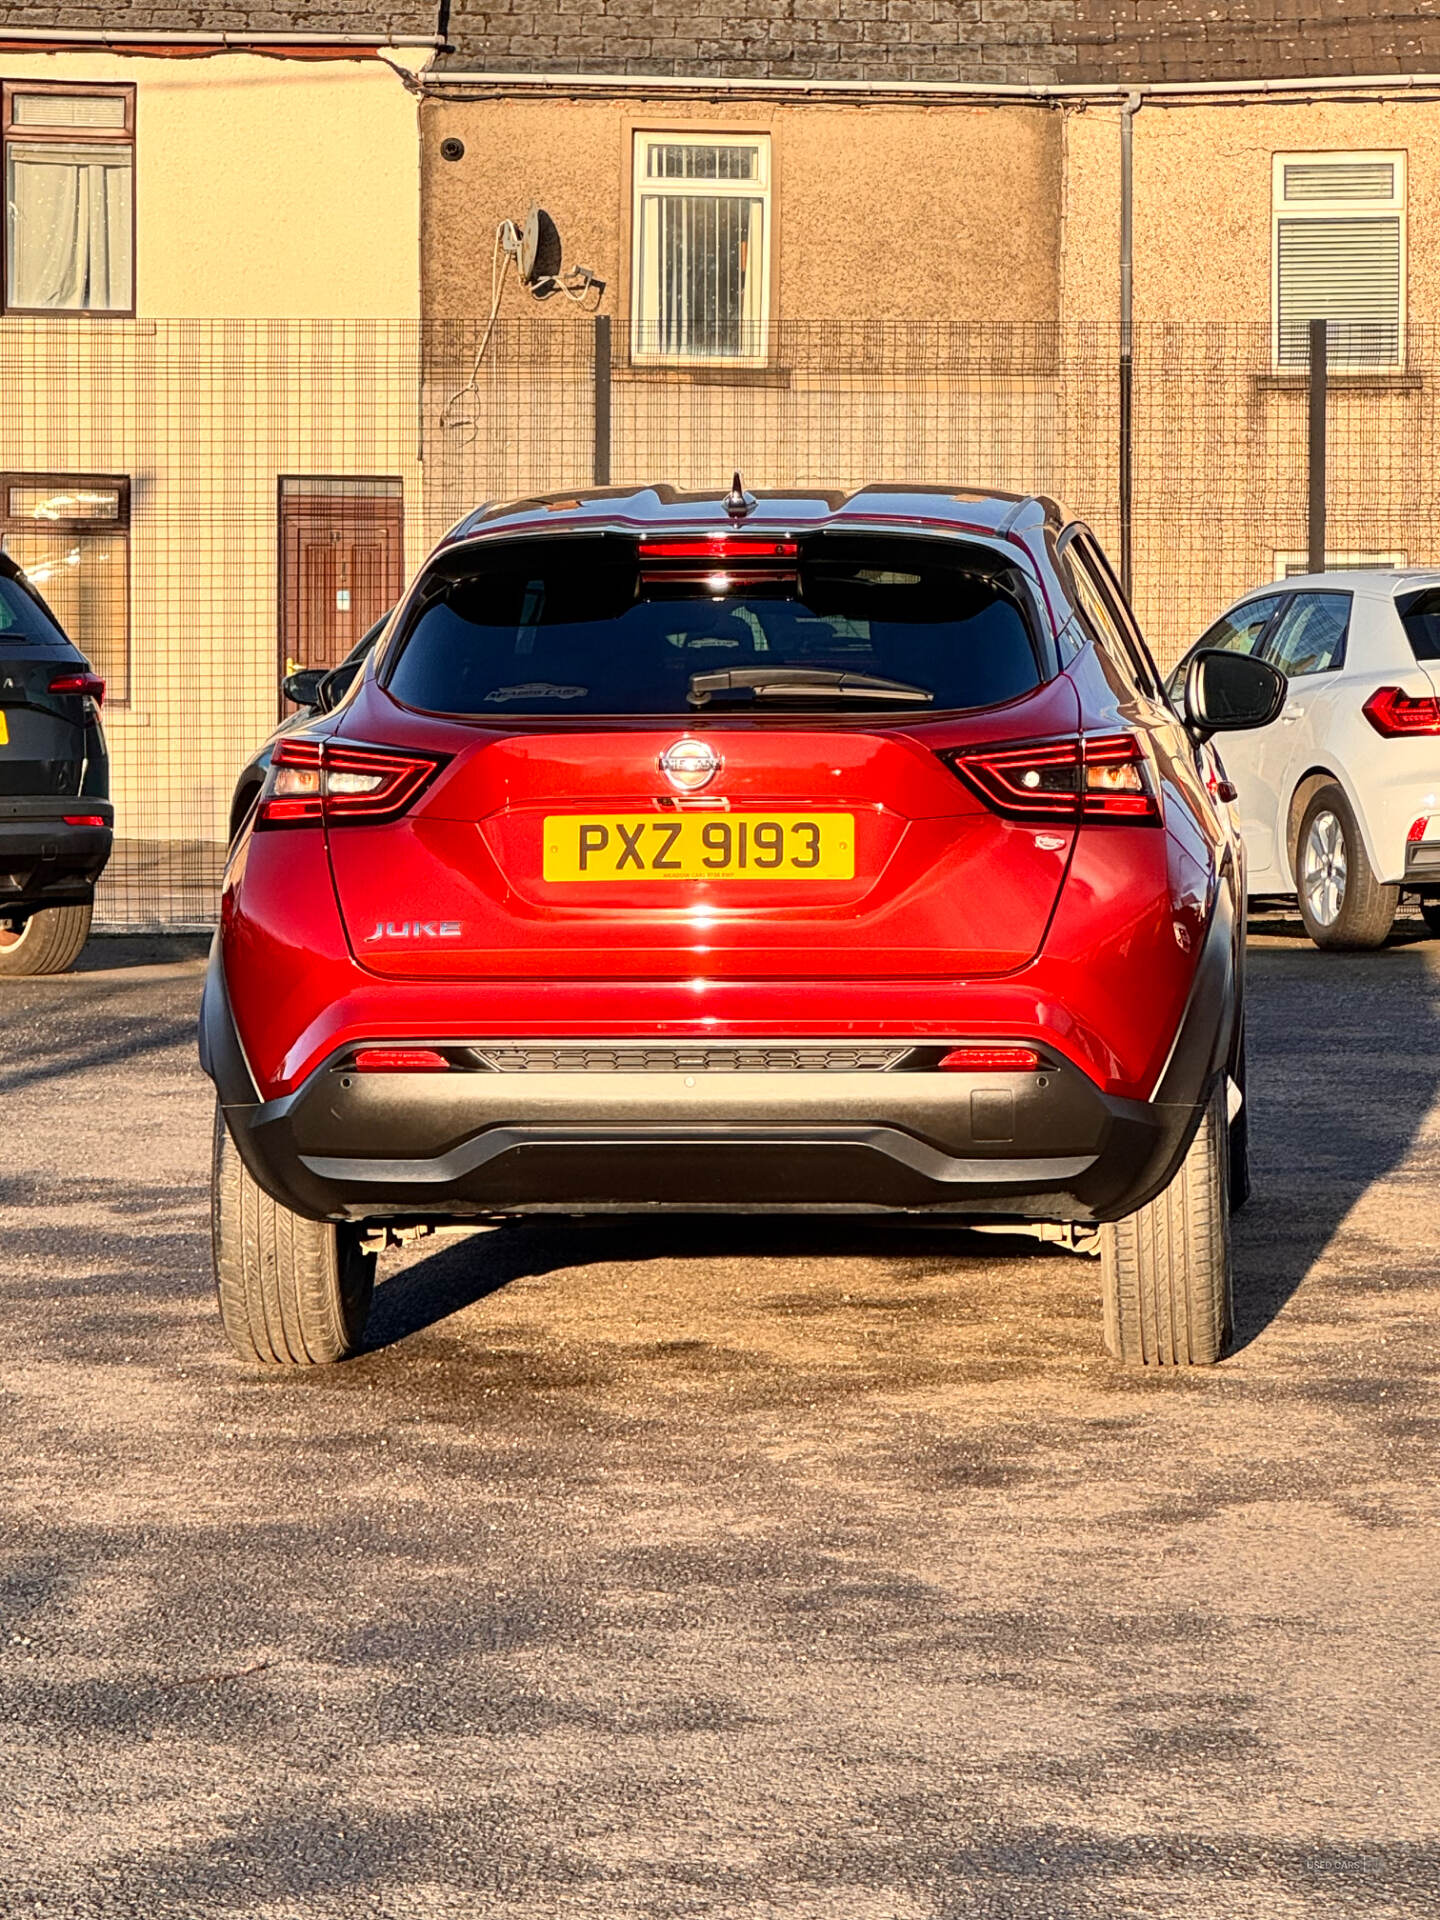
(293, 1292)
(1166, 1268)
(49, 942)
(1344, 907)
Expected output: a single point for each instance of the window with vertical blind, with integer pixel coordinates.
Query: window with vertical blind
(1339, 256)
(700, 288)
(69, 165)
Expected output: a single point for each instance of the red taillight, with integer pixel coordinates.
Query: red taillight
(1106, 778)
(1394, 713)
(400, 1060)
(990, 1060)
(1418, 830)
(314, 780)
(84, 819)
(1117, 783)
(86, 683)
(721, 563)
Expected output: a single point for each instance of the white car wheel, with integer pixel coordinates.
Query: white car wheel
(1342, 903)
(1323, 868)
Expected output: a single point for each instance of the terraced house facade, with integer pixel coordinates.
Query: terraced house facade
(271, 313)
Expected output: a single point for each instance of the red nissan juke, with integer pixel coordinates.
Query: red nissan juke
(820, 853)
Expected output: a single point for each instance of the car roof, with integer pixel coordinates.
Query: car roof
(982, 510)
(1375, 582)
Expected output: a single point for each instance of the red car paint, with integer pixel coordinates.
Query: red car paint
(1082, 939)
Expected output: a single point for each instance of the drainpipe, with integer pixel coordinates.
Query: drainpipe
(1131, 106)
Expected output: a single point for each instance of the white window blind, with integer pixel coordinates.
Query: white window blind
(1339, 256)
(701, 270)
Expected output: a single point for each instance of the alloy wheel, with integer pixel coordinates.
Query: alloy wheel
(1323, 869)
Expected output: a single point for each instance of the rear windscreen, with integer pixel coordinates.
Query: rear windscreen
(564, 627)
(22, 617)
(1420, 617)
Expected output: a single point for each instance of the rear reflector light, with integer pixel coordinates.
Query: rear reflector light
(400, 1060)
(990, 1060)
(1419, 830)
(84, 819)
(87, 683)
(313, 780)
(1108, 778)
(719, 564)
(1393, 713)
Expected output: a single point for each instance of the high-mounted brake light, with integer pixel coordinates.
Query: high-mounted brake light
(990, 1060)
(400, 1060)
(720, 563)
(1105, 778)
(312, 781)
(1395, 714)
(86, 683)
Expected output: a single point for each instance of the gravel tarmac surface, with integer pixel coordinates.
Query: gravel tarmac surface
(719, 1569)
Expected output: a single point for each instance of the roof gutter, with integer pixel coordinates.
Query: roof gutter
(1158, 92)
(128, 40)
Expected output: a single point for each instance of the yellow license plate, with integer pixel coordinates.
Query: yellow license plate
(700, 846)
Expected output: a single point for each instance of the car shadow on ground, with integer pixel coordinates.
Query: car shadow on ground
(1337, 1100)
(462, 1272)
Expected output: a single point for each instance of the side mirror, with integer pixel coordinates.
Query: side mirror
(1229, 692)
(302, 689)
(338, 682)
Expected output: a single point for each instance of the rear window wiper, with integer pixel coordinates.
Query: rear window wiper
(737, 686)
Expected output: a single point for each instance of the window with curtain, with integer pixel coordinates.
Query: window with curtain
(71, 534)
(1339, 256)
(700, 288)
(69, 199)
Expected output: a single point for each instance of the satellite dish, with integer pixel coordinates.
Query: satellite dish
(539, 257)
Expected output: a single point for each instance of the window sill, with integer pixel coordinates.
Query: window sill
(77, 316)
(702, 373)
(1382, 380)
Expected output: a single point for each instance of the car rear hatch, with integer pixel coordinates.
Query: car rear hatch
(45, 690)
(723, 764)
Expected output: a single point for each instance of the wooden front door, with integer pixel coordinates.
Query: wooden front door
(342, 565)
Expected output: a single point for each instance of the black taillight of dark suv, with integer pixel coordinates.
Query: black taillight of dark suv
(56, 821)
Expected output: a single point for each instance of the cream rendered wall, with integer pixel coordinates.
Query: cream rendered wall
(266, 187)
(277, 208)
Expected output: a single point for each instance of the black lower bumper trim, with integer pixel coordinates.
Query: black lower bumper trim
(45, 862)
(1046, 1146)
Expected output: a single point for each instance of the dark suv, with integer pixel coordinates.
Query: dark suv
(55, 815)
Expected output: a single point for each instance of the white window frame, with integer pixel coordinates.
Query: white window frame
(642, 309)
(1283, 209)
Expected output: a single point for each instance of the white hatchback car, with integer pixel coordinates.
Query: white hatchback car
(1339, 798)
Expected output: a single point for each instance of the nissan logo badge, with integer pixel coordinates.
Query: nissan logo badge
(689, 765)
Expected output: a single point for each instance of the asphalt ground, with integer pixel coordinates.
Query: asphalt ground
(750, 1569)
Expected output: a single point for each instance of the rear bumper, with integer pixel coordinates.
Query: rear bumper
(478, 1142)
(1422, 859)
(43, 861)
(356, 1146)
